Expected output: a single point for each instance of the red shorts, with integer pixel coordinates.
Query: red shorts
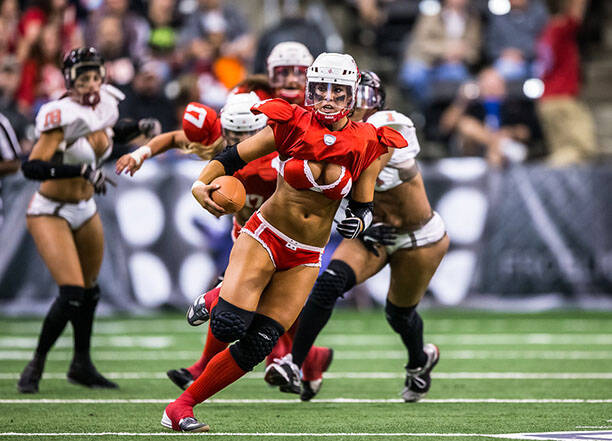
(284, 252)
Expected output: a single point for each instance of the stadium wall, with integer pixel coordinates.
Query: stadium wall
(524, 238)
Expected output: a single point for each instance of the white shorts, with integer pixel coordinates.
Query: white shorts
(431, 232)
(75, 214)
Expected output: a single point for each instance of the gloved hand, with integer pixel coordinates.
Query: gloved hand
(378, 234)
(358, 218)
(149, 127)
(97, 178)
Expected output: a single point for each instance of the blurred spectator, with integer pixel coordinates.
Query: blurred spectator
(441, 48)
(145, 98)
(215, 30)
(40, 13)
(41, 77)
(567, 123)
(9, 155)
(135, 29)
(293, 26)
(485, 121)
(164, 23)
(10, 72)
(112, 46)
(511, 38)
(9, 19)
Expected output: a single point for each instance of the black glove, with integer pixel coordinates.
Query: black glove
(358, 218)
(378, 234)
(149, 127)
(97, 178)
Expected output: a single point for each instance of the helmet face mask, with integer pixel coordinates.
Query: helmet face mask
(329, 99)
(288, 77)
(367, 98)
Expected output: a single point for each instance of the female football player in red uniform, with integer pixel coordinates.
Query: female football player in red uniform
(407, 234)
(276, 258)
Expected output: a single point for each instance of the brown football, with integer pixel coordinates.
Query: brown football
(231, 195)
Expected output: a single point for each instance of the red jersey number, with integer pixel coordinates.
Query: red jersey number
(53, 118)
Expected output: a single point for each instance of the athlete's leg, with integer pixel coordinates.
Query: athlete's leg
(411, 272)
(56, 246)
(89, 239)
(351, 264)
(249, 272)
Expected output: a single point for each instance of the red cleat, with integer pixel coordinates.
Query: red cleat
(180, 418)
(314, 366)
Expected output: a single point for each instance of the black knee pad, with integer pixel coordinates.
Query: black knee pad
(402, 319)
(258, 342)
(71, 297)
(229, 323)
(337, 279)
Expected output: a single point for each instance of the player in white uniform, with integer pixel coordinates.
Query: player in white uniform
(75, 136)
(406, 233)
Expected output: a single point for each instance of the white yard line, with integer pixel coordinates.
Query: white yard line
(364, 375)
(361, 340)
(296, 400)
(283, 435)
(66, 354)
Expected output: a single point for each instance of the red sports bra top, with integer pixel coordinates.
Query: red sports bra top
(298, 174)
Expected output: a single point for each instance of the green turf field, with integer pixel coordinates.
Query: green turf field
(498, 374)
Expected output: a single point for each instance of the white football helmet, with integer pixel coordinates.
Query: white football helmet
(236, 116)
(332, 69)
(288, 53)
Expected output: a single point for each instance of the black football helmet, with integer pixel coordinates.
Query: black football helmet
(80, 60)
(370, 93)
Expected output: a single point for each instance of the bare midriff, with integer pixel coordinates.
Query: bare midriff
(405, 207)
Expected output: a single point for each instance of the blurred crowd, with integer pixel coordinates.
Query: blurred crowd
(497, 78)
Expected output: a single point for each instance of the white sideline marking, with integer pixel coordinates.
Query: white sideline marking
(321, 435)
(163, 341)
(66, 354)
(365, 375)
(296, 400)
(594, 435)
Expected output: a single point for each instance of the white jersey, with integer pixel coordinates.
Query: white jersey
(389, 176)
(77, 121)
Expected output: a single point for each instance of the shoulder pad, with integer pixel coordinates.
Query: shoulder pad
(53, 115)
(113, 91)
(390, 118)
(390, 137)
(275, 109)
(201, 123)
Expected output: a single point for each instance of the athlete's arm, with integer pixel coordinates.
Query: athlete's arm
(363, 189)
(252, 148)
(359, 212)
(131, 162)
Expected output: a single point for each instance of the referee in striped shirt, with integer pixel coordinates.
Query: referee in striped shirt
(9, 154)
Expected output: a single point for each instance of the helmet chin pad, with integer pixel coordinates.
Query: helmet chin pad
(331, 118)
(91, 99)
